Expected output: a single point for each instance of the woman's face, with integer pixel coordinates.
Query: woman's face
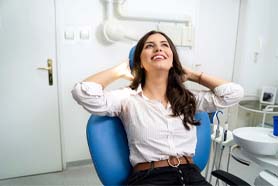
(156, 54)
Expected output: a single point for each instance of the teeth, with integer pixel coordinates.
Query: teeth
(158, 57)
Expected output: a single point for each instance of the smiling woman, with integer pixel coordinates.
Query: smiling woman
(157, 110)
(158, 70)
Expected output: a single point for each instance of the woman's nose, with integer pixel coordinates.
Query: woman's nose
(158, 49)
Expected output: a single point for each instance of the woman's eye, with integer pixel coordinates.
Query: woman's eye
(165, 45)
(148, 46)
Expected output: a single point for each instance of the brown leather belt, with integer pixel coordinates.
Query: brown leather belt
(173, 161)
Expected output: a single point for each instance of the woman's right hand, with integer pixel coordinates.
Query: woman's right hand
(124, 71)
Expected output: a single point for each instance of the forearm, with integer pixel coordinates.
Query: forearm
(204, 79)
(104, 78)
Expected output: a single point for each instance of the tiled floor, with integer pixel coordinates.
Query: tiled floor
(84, 175)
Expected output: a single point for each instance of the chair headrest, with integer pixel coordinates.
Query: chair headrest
(131, 57)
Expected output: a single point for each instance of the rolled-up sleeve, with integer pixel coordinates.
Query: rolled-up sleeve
(97, 101)
(221, 97)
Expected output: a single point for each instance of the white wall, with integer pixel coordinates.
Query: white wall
(215, 23)
(258, 20)
(216, 36)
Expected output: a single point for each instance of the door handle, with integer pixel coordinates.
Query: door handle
(50, 71)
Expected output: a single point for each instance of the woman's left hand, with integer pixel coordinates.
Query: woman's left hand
(188, 74)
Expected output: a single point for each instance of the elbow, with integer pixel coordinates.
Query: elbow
(238, 93)
(231, 99)
(75, 93)
(235, 97)
(89, 100)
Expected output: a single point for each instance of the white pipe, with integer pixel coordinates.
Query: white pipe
(113, 31)
(143, 16)
(108, 9)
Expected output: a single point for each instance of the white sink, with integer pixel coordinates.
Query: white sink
(256, 140)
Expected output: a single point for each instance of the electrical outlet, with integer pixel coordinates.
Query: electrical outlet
(187, 39)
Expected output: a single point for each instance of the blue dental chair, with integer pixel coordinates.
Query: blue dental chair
(110, 154)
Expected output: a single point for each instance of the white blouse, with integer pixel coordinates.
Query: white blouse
(153, 134)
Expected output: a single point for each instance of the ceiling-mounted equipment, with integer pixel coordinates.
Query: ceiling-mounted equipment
(179, 30)
(114, 31)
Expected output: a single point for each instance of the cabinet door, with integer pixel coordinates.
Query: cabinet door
(29, 118)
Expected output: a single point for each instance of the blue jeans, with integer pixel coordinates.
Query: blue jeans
(187, 174)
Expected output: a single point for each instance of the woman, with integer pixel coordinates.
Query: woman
(157, 110)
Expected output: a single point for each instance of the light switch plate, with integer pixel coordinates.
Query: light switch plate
(69, 35)
(84, 34)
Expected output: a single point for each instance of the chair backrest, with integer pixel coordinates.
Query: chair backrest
(109, 147)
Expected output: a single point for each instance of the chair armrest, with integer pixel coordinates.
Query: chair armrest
(229, 178)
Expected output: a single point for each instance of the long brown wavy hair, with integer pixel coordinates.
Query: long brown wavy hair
(182, 101)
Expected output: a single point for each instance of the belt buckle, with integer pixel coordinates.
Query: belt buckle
(169, 162)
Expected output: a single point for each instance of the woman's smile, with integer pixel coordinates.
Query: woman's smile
(158, 57)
